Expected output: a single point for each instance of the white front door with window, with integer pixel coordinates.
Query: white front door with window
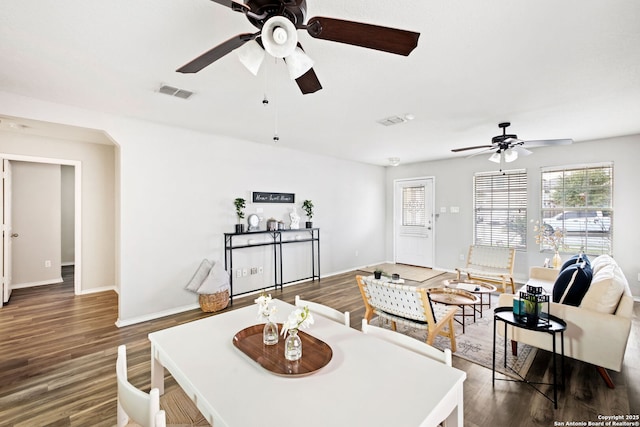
(413, 222)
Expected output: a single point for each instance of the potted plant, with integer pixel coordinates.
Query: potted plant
(240, 205)
(307, 206)
(378, 273)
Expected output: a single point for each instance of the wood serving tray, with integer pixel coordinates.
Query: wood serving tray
(453, 296)
(315, 353)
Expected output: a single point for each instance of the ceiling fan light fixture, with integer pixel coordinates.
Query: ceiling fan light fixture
(298, 63)
(279, 37)
(251, 56)
(495, 157)
(510, 155)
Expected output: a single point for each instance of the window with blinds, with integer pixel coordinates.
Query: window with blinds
(413, 206)
(577, 201)
(500, 208)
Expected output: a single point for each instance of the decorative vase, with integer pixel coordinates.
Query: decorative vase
(308, 224)
(293, 346)
(239, 228)
(270, 333)
(557, 261)
(377, 275)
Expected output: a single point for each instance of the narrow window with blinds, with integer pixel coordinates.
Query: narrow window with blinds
(500, 208)
(577, 202)
(413, 206)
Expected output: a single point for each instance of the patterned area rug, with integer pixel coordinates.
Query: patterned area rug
(476, 344)
(408, 272)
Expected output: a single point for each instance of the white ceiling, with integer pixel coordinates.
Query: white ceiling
(554, 68)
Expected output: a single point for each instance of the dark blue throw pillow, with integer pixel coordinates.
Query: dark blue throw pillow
(576, 259)
(572, 284)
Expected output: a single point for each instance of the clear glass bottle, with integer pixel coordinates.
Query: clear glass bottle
(293, 346)
(270, 333)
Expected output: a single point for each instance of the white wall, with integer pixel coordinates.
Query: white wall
(176, 200)
(36, 220)
(454, 187)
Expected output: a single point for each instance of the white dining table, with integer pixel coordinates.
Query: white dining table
(368, 381)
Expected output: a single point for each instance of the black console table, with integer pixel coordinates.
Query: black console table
(275, 241)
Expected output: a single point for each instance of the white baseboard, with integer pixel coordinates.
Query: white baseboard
(157, 315)
(34, 284)
(96, 290)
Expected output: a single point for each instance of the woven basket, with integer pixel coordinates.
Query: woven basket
(214, 302)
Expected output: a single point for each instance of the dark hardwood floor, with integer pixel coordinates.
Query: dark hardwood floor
(58, 353)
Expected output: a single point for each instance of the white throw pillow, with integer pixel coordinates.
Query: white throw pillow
(605, 291)
(601, 261)
(201, 273)
(216, 281)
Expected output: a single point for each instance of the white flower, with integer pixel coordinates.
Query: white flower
(264, 311)
(299, 318)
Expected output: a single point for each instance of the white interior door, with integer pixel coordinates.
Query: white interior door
(7, 230)
(413, 222)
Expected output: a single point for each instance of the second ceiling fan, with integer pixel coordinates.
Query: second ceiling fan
(507, 147)
(278, 22)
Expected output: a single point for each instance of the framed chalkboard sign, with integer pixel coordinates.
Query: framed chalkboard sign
(262, 197)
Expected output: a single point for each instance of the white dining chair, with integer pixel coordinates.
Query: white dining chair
(409, 343)
(324, 311)
(134, 404)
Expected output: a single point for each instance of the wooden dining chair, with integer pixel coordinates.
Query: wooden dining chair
(134, 404)
(407, 342)
(324, 311)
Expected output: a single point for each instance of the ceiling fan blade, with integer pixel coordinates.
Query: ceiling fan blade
(543, 142)
(236, 7)
(455, 150)
(386, 39)
(521, 151)
(308, 82)
(479, 153)
(216, 53)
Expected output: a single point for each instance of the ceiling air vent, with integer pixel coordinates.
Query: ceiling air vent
(395, 120)
(174, 91)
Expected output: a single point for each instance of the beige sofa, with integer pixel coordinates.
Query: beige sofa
(597, 330)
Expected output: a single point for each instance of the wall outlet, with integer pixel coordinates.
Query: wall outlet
(47, 263)
(260, 270)
(244, 272)
(461, 256)
(238, 273)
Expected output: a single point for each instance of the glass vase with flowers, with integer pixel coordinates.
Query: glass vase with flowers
(267, 313)
(299, 318)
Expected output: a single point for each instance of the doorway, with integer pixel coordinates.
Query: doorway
(413, 221)
(8, 236)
